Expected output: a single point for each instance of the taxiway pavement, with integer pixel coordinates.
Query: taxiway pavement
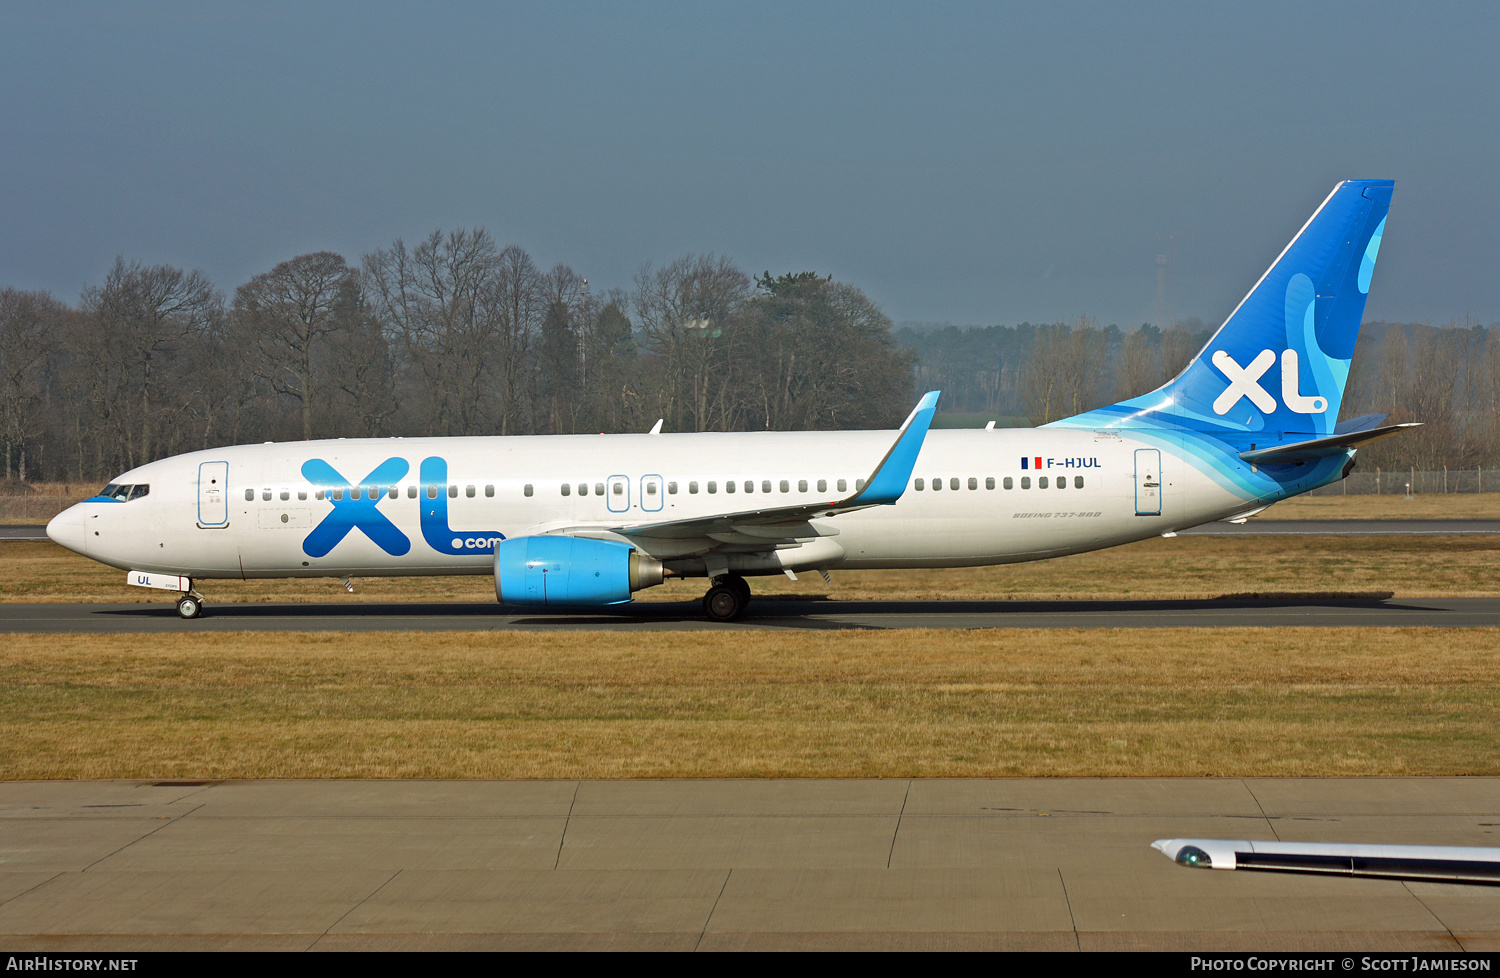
(1059, 864)
(763, 613)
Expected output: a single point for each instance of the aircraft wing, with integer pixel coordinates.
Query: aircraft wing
(1335, 444)
(771, 527)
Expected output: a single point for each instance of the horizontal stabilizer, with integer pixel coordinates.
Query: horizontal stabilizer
(1362, 423)
(1335, 444)
(1452, 864)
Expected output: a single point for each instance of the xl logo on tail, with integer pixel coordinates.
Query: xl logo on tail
(1245, 382)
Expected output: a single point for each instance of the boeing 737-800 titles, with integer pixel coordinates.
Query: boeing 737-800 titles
(581, 520)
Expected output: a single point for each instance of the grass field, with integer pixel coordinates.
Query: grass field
(1184, 567)
(1182, 702)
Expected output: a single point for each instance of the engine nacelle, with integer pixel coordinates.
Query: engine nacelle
(560, 570)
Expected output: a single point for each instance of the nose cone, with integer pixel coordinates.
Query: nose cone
(66, 529)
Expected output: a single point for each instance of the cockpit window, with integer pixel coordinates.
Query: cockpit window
(139, 490)
(112, 491)
(124, 492)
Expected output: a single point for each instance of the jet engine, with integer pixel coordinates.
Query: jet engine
(561, 570)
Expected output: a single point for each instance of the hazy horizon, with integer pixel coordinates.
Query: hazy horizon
(964, 163)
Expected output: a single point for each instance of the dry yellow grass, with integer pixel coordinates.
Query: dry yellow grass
(1185, 567)
(1195, 702)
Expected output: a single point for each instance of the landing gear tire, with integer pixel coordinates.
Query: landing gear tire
(189, 607)
(726, 600)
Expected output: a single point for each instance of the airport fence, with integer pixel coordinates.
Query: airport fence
(1417, 482)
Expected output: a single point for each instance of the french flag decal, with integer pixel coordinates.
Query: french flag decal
(1026, 463)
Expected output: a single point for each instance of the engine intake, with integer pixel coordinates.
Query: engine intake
(559, 570)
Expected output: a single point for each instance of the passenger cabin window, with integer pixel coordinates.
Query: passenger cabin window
(713, 487)
(822, 485)
(860, 484)
(338, 494)
(843, 485)
(750, 486)
(583, 488)
(527, 489)
(619, 488)
(937, 484)
(316, 495)
(432, 492)
(469, 492)
(973, 482)
(728, 486)
(249, 495)
(692, 488)
(285, 494)
(411, 492)
(801, 485)
(989, 483)
(393, 492)
(919, 485)
(786, 486)
(598, 488)
(1077, 482)
(1025, 482)
(765, 485)
(650, 488)
(302, 494)
(1041, 482)
(265, 494)
(1009, 483)
(489, 492)
(453, 492)
(671, 488)
(953, 484)
(567, 489)
(1062, 482)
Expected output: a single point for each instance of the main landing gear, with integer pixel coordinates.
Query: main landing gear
(189, 606)
(727, 598)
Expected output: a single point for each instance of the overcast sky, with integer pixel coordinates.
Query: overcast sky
(976, 163)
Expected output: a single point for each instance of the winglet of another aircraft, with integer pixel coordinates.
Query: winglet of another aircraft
(890, 478)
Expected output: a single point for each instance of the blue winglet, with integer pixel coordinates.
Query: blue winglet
(891, 476)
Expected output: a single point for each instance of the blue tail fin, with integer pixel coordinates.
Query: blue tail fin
(1279, 362)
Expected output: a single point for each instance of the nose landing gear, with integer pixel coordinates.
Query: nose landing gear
(189, 606)
(727, 598)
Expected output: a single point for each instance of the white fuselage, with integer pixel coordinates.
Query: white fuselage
(1102, 488)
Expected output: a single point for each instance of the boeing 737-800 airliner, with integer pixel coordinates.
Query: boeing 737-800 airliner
(581, 520)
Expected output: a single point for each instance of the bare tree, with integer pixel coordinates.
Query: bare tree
(520, 297)
(285, 314)
(142, 319)
(440, 300)
(688, 313)
(1179, 342)
(1140, 370)
(28, 329)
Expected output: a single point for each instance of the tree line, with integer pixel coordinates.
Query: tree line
(1447, 377)
(456, 335)
(452, 335)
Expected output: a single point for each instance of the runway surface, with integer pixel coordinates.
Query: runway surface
(1346, 528)
(764, 613)
(1056, 864)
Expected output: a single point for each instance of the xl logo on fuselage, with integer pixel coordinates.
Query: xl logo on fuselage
(1245, 382)
(354, 508)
